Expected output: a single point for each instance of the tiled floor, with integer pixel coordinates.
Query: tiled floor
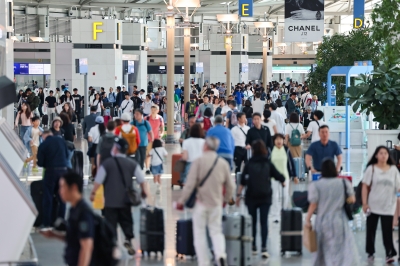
(50, 251)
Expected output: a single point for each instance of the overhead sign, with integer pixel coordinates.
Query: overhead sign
(246, 8)
(32, 69)
(304, 21)
(358, 14)
(96, 29)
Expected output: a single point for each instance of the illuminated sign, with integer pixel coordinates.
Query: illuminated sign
(96, 30)
(246, 8)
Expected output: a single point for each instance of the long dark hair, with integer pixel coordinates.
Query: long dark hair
(328, 169)
(102, 128)
(27, 111)
(69, 112)
(259, 148)
(374, 160)
(267, 115)
(94, 99)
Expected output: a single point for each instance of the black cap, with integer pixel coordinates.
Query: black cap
(75, 89)
(135, 93)
(122, 144)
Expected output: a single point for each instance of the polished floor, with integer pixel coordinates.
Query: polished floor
(50, 252)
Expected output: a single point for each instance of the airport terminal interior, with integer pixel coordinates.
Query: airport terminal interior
(290, 69)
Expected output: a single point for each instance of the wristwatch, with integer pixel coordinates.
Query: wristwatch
(318, 15)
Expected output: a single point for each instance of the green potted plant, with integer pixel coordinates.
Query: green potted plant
(379, 94)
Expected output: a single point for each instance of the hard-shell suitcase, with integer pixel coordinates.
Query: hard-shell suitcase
(299, 167)
(77, 162)
(37, 197)
(152, 230)
(175, 175)
(45, 121)
(238, 233)
(184, 238)
(300, 200)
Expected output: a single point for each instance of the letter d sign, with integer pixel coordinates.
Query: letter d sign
(246, 8)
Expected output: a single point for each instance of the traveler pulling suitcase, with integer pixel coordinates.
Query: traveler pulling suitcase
(238, 233)
(37, 197)
(77, 162)
(184, 238)
(291, 230)
(152, 230)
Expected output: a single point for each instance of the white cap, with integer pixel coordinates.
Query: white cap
(125, 117)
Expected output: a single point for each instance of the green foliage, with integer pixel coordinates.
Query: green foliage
(380, 94)
(386, 30)
(341, 50)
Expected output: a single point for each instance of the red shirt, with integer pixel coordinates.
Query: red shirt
(155, 124)
(117, 132)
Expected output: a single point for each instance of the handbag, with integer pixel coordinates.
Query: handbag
(180, 166)
(310, 239)
(348, 208)
(192, 198)
(132, 196)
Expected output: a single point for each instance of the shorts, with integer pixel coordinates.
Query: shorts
(157, 169)
(148, 149)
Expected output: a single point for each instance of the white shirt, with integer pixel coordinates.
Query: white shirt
(98, 104)
(289, 128)
(127, 106)
(280, 121)
(282, 110)
(258, 106)
(248, 95)
(314, 129)
(239, 135)
(35, 136)
(225, 109)
(305, 97)
(274, 95)
(271, 123)
(216, 92)
(147, 107)
(94, 133)
(155, 159)
(142, 96)
(194, 148)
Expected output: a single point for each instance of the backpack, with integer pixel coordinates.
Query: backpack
(106, 145)
(207, 123)
(35, 103)
(105, 242)
(130, 137)
(191, 109)
(233, 120)
(295, 138)
(176, 98)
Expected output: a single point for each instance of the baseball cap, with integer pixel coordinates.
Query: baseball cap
(99, 120)
(125, 117)
(122, 144)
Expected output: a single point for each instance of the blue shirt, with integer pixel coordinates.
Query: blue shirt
(226, 142)
(238, 96)
(53, 153)
(143, 129)
(111, 97)
(319, 152)
(178, 92)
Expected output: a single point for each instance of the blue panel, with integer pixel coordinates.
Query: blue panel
(21, 69)
(359, 7)
(246, 8)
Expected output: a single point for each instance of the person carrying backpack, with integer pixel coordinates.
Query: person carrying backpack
(208, 120)
(294, 134)
(231, 116)
(190, 108)
(129, 133)
(32, 99)
(146, 135)
(106, 142)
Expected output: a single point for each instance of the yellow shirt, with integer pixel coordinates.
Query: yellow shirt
(280, 159)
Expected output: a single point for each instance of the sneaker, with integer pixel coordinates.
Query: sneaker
(254, 251)
(128, 246)
(371, 257)
(389, 260)
(148, 172)
(264, 254)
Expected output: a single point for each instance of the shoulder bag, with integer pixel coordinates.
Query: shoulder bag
(132, 196)
(162, 161)
(192, 199)
(348, 208)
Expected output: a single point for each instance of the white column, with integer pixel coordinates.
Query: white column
(228, 48)
(187, 64)
(170, 77)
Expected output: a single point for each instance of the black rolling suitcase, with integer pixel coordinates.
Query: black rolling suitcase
(77, 162)
(37, 197)
(152, 230)
(184, 238)
(45, 121)
(291, 230)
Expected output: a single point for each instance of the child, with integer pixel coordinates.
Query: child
(208, 119)
(32, 139)
(156, 166)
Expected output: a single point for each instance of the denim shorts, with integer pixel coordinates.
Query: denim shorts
(157, 169)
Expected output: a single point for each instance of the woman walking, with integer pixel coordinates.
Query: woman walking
(24, 119)
(69, 111)
(294, 124)
(248, 110)
(335, 241)
(97, 102)
(259, 171)
(380, 185)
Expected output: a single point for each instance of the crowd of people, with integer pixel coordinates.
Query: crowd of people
(255, 132)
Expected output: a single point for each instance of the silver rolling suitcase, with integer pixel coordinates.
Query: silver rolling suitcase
(238, 235)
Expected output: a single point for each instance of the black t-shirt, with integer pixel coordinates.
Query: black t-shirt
(59, 133)
(69, 132)
(80, 225)
(51, 100)
(77, 98)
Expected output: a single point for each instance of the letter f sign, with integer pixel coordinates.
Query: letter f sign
(95, 30)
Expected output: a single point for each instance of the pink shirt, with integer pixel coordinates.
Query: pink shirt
(155, 125)
(24, 120)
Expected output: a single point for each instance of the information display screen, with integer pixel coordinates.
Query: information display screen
(162, 69)
(46, 69)
(199, 67)
(36, 69)
(131, 66)
(21, 69)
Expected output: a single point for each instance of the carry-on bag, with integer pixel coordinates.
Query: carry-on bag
(77, 162)
(152, 230)
(176, 176)
(291, 229)
(184, 238)
(238, 233)
(45, 121)
(299, 167)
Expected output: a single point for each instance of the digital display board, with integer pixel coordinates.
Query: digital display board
(32, 69)
(21, 69)
(36, 69)
(162, 69)
(83, 65)
(244, 68)
(199, 67)
(131, 66)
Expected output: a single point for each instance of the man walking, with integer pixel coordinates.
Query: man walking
(111, 96)
(78, 104)
(202, 107)
(291, 103)
(116, 175)
(207, 212)
(53, 156)
(51, 103)
(145, 130)
(259, 132)
(239, 134)
(89, 121)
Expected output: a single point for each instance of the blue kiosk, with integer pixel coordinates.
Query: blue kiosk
(360, 67)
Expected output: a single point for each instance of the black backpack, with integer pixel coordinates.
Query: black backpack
(106, 146)
(105, 242)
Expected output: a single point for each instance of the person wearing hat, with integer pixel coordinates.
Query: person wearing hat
(56, 127)
(94, 135)
(116, 211)
(126, 105)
